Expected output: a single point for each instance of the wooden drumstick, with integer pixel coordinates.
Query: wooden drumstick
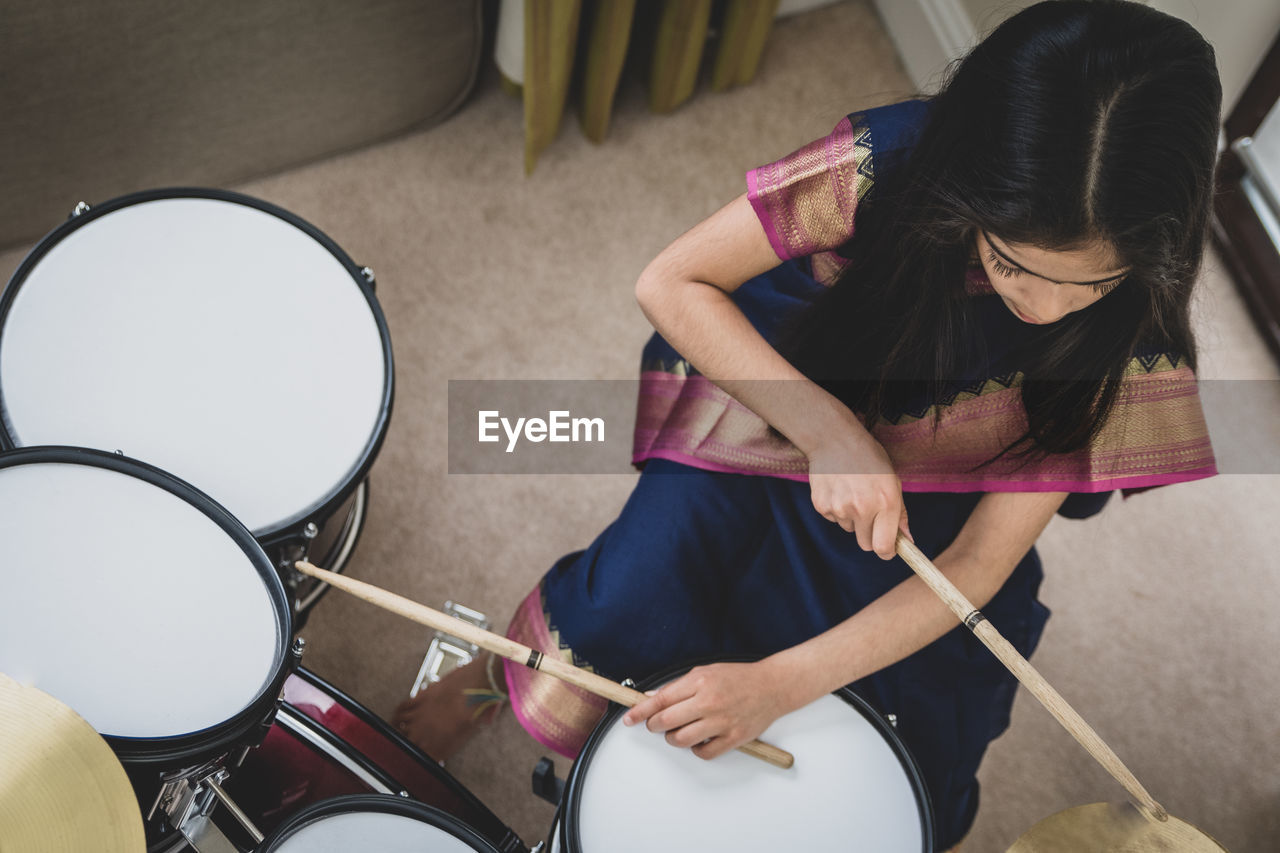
(973, 619)
(512, 651)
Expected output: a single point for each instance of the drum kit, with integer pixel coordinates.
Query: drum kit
(161, 509)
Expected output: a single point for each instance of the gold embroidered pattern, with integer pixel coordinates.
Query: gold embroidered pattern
(810, 195)
(1156, 427)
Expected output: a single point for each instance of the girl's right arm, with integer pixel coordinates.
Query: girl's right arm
(685, 294)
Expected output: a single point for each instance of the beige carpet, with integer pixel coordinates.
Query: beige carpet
(1163, 634)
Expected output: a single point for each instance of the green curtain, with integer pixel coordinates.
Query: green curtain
(745, 29)
(677, 52)
(674, 43)
(550, 41)
(606, 51)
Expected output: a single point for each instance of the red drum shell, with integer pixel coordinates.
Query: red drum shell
(324, 744)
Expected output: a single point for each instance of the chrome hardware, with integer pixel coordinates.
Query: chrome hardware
(347, 537)
(447, 652)
(892, 719)
(205, 837)
(188, 801)
(236, 811)
(537, 848)
(80, 208)
(310, 531)
(289, 555)
(177, 787)
(629, 682)
(368, 275)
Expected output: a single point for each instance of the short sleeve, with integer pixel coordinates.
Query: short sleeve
(1156, 433)
(806, 201)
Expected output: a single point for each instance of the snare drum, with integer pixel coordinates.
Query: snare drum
(214, 336)
(374, 822)
(146, 607)
(854, 786)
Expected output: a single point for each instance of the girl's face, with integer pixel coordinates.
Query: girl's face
(1044, 285)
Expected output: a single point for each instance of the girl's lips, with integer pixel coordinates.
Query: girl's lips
(1023, 317)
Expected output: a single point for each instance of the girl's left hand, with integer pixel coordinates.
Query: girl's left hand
(713, 709)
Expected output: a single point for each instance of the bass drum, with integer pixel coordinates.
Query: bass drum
(323, 744)
(217, 337)
(854, 786)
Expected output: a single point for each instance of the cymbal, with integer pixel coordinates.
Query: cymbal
(61, 786)
(1109, 828)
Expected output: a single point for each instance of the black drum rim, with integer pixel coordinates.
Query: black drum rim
(291, 527)
(192, 747)
(566, 820)
(382, 803)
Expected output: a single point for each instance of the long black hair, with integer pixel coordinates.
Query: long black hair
(1073, 121)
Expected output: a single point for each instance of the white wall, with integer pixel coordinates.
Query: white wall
(924, 31)
(1239, 30)
(985, 14)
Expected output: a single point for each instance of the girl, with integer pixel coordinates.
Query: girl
(980, 319)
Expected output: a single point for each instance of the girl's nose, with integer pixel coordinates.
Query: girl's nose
(1051, 302)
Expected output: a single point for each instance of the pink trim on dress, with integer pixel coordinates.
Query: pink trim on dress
(560, 702)
(1083, 486)
(1156, 436)
(806, 201)
(757, 204)
(534, 732)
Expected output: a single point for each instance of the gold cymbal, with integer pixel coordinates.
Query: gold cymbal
(1108, 828)
(61, 786)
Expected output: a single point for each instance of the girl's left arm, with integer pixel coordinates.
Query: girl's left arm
(716, 708)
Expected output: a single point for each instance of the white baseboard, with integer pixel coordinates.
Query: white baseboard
(928, 34)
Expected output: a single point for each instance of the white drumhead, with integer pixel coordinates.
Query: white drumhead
(209, 338)
(127, 603)
(385, 833)
(847, 791)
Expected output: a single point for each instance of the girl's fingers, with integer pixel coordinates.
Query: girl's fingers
(673, 693)
(692, 734)
(713, 748)
(863, 530)
(884, 535)
(674, 717)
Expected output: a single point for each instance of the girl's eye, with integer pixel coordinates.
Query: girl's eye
(1006, 271)
(1000, 268)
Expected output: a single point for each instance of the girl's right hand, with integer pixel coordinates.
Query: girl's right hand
(852, 483)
